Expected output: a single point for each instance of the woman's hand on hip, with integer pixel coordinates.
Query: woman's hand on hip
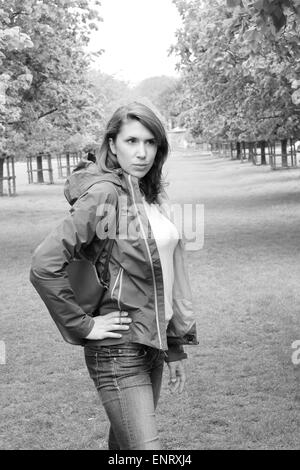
(105, 325)
(177, 376)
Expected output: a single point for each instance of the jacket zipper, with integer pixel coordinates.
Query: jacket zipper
(120, 288)
(151, 262)
(120, 281)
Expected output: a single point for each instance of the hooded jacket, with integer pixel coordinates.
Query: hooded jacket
(136, 280)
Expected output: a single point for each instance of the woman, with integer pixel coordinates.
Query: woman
(146, 313)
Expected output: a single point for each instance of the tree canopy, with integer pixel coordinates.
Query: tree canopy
(44, 93)
(240, 64)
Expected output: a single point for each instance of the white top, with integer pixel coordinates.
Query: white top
(166, 236)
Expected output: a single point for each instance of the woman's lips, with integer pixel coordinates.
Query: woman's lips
(140, 166)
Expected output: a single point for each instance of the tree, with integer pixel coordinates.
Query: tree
(239, 69)
(153, 87)
(173, 102)
(43, 72)
(273, 14)
(109, 92)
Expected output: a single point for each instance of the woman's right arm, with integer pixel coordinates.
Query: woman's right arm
(48, 271)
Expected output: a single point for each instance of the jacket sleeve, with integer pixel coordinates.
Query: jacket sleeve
(48, 270)
(181, 329)
(175, 353)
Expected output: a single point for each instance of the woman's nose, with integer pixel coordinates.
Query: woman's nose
(142, 150)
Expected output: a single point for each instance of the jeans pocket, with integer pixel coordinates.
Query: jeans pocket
(100, 367)
(129, 354)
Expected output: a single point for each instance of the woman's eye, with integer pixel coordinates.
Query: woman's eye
(148, 142)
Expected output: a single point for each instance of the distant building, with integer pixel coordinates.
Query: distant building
(178, 138)
(297, 145)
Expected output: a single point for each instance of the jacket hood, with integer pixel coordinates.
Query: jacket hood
(85, 175)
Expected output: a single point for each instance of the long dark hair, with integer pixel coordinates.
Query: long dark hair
(151, 184)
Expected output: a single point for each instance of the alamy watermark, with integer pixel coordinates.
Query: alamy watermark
(2, 353)
(296, 353)
(129, 222)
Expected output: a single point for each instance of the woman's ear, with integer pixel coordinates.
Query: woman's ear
(112, 146)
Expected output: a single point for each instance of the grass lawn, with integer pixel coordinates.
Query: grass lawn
(243, 390)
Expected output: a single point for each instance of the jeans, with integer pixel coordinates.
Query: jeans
(128, 379)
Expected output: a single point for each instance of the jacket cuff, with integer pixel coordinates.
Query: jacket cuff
(175, 353)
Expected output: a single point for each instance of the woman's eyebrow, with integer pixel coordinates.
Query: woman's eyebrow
(137, 138)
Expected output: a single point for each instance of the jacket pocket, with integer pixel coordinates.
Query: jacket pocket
(116, 291)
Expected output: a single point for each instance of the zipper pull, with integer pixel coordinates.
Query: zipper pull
(104, 283)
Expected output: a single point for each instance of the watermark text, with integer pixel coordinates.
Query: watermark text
(2, 353)
(296, 353)
(130, 222)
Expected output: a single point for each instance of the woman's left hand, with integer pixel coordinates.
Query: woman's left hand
(177, 376)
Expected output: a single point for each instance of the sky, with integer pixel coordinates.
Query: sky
(136, 36)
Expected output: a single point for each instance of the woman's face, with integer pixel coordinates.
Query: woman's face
(135, 147)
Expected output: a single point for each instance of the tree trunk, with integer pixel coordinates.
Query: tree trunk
(50, 169)
(250, 154)
(1, 175)
(262, 145)
(68, 164)
(243, 151)
(13, 175)
(238, 150)
(284, 155)
(39, 167)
